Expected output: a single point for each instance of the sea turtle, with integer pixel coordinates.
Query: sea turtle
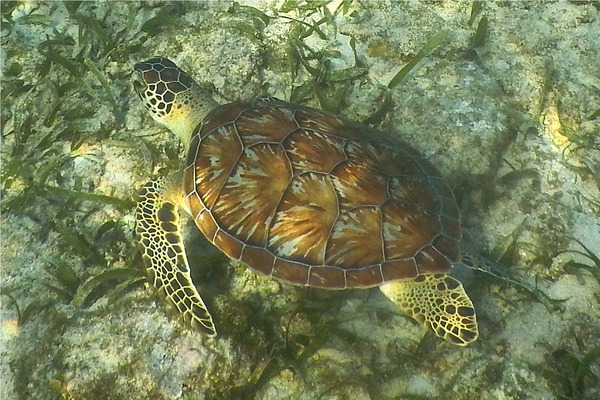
(303, 196)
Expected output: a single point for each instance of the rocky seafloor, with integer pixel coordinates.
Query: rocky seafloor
(505, 100)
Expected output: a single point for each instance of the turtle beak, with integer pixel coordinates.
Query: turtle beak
(139, 84)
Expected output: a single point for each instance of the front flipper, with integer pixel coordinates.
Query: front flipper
(438, 301)
(164, 254)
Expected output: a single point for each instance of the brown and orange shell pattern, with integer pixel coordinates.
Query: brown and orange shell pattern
(314, 199)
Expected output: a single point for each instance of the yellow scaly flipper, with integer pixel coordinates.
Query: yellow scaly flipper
(438, 301)
(164, 254)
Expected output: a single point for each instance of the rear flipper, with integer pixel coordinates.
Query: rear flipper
(163, 253)
(439, 302)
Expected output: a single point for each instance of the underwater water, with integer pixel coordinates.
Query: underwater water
(502, 97)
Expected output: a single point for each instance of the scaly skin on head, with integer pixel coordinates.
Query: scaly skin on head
(172, 97)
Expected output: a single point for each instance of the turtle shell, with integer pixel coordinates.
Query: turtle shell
(314, 199)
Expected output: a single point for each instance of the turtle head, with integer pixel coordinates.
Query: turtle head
(172, 97)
